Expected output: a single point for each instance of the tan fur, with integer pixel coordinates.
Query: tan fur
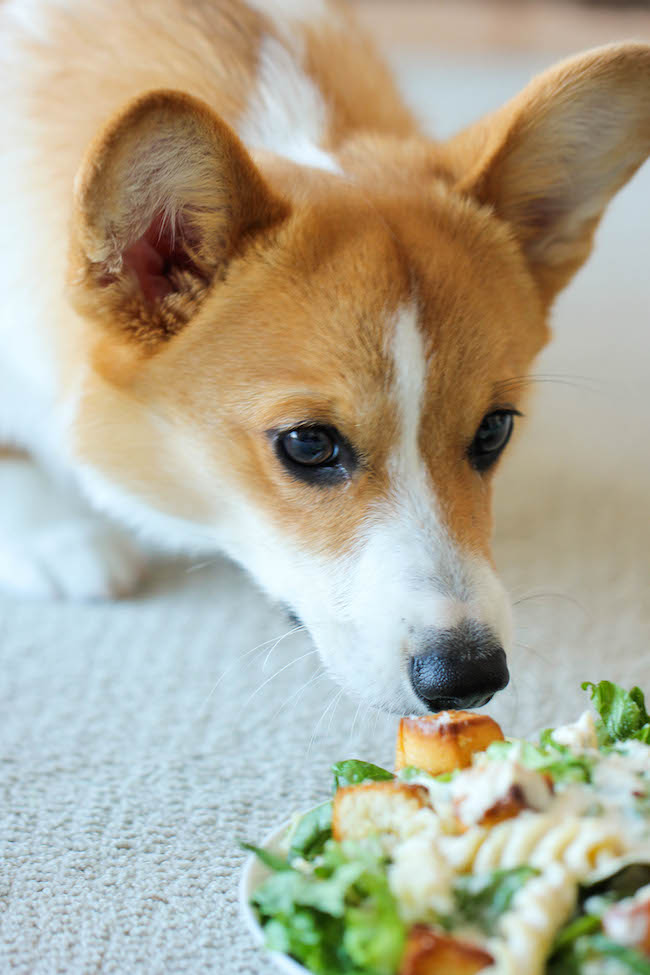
(275, 309)
(356, 83)
(257, 394)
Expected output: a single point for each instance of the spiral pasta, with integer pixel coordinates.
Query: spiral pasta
(484, 863)
(578, 843)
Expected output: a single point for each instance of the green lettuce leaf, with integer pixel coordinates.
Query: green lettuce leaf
(579, 926)
(622, 714)
(312, 938)
(592, 948)
(353, 771)
(286, 889)
(549, 757)
(311, 832)
(270, 860)
(375, 934)
(481, 899)
(340, 918)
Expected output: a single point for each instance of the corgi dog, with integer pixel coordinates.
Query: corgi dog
(248, 307)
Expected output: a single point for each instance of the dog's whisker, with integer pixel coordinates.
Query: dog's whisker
(242, 656)
(588, 383)
(297, 694)
(197, 566)
(319, 678)
(548, 594)
(336, 704)
(354, 720)
(295, 629)
(366, 717)
(371, 719)
(334, 697)
(534, 652)
(277, 673)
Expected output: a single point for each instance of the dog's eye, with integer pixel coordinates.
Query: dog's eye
(491, 437)
(315, 453)
(310, 446)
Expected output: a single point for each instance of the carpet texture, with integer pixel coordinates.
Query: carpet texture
(140, 741)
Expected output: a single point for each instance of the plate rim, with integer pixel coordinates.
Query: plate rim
(252, 875)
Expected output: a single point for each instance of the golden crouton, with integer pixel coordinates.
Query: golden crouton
(384, 809)
(443, 742)
(428, 953)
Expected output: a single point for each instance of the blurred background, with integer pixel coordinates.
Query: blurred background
(504, 26)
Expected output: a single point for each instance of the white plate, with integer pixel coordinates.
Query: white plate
(255, 873)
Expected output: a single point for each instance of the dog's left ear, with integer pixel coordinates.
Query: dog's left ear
(165, 198)
(551, 159)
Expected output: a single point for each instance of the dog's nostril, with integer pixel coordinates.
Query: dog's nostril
(459, 668)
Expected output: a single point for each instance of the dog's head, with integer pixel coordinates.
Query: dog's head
(318, 372)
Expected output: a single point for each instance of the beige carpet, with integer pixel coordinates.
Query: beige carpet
(140, 741)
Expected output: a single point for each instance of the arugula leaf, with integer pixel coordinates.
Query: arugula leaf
(622, 713)
(624, 883)
(481, 899)
(585, 924)
(548, 757)
(353, 771)
(605, 947)
(311, 832)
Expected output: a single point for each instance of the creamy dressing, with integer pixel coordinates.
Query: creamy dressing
(580, 735)
(477, 792)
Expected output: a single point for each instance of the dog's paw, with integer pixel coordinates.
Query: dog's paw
(80, 558)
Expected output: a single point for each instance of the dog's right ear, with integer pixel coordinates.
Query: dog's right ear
(164, 199)
(550, 160)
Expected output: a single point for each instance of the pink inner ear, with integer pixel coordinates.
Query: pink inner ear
(149, 266)
(154, 256)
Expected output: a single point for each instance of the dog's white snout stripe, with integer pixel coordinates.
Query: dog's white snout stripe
(410, 567)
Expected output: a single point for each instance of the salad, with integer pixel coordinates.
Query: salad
(515, 859)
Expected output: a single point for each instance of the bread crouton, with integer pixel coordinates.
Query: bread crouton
(428, 953)
(444, 742)
(385, 809)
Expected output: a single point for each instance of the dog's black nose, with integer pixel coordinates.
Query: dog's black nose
(459, 668)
